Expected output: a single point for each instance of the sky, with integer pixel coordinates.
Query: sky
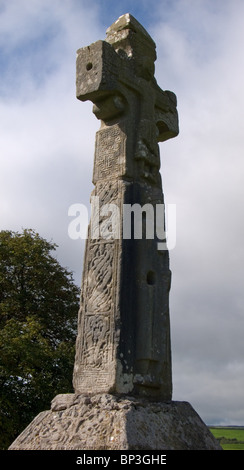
(46, 159)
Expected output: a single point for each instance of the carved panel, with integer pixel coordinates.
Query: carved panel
(109, 152)
(95, 345)
(106, 214)
(107, 191)
(99, 277)
(96, 342)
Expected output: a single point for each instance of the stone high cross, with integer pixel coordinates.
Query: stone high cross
(122, 372)
(123, 341)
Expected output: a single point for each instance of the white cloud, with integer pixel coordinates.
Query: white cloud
(47, 137)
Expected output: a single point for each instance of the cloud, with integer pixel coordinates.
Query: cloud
(47, 137)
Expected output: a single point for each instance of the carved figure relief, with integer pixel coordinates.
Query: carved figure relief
(96, 341)
(147, 152)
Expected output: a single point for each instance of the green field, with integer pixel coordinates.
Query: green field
(229, 438)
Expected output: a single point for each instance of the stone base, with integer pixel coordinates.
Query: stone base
(108, 422)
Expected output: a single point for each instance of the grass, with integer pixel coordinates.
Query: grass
(229, 438)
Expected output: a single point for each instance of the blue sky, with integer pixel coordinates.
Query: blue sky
(46, 159)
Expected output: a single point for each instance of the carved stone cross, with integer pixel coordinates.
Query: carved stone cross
(123, 354)
(123, 342)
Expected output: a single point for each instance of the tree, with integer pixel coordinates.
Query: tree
(38, 316)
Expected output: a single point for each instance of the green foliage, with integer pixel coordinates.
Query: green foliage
(38, 317)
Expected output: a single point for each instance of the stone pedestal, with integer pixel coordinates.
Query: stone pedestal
(108, 422)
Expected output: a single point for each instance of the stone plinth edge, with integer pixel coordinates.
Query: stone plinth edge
(108, 422)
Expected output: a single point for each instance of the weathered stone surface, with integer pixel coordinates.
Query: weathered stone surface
(62, 401)
(123, 341)
(117, 423)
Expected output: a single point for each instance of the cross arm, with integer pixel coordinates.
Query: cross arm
(94, 76)
(97, 72)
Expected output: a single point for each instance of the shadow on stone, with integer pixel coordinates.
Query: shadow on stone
(108, 422)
